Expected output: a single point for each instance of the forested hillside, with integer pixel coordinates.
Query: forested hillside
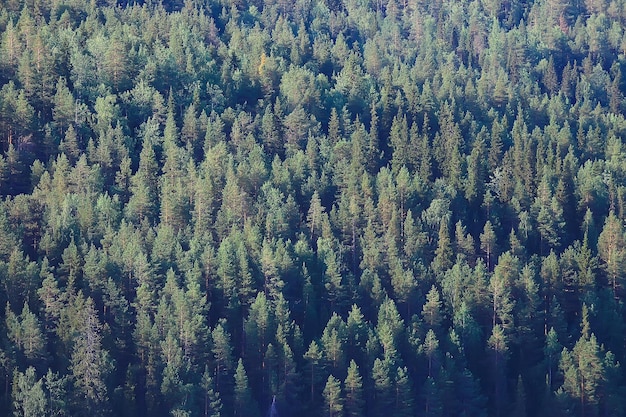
(309, 208)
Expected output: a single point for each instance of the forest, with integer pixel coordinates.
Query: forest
(342, 208)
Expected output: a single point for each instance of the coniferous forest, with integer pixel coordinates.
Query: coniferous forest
(343, 208)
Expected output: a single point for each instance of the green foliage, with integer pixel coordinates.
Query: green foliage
(333, 397)
(244, 403)
(353, 387)
(374, 205)
(211, 401)
(89, 363)
(583, 371)
(25, 332)
(29, 399)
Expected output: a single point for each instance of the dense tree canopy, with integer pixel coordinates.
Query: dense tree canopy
(320, 207)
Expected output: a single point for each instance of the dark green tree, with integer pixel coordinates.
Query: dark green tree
(244, 402)
(90, 364)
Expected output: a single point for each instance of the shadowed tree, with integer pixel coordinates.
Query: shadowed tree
(488, 243)
(498, 346)
(245, 405)
(90, 364)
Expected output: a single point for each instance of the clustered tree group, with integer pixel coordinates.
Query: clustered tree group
(335, 208)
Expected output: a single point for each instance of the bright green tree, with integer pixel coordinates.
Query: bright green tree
(353, 390)
(333, 398)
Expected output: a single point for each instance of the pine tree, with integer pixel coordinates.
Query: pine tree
(357, 332)
(552, 352)
(431, 398)
(399, 140)
(443, 253)
(476, 169)
(174, 184)
(244, 403)
(64, 110)
(353, 388)
(549, 213)
(290, 382)
(449, 146)
(583, 371)
(90, 364)
(488, 243)
(29, 399)
(313, 356)
(334, 338)
(56, 394)
(172, 385)
(404, 401)
(259, 329)
(212, 403)
(33, 340)
(389, 330)
(373, 147)
(404, 285)
(222, 353)
(464, 243)
(504, 275)
(611, 247)
(498, 345)
(333, 398)
(144, 184)
(431, 311)
(430, 347)
(333, 279)
(70, 145)
(383, 399)
(470, 399)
